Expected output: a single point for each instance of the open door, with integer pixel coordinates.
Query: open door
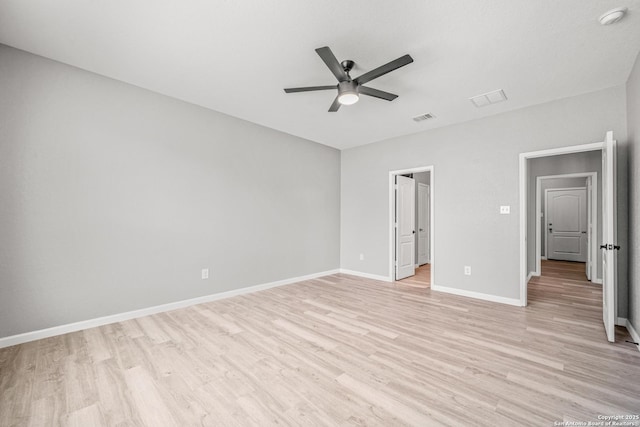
(405, 227)
(609, 245)
(423, 224)
(590, 255)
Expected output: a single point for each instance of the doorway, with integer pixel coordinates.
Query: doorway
(607, 148)
(411, 225)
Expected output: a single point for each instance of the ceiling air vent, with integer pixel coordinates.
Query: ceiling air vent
(488, 98)
(423, 117)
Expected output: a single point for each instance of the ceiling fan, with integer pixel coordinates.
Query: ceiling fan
(349, 89)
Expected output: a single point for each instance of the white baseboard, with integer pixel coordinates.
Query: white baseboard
(92, 323)
(543, 258)
(597, 281)
(477, 295)
(621, 321)
(532, 274)
(632, 332)
(366, 275)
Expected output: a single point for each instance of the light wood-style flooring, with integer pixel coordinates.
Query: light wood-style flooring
(422, 278)
(338, 350)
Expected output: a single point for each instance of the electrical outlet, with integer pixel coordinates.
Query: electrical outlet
(205, 273)
(361, 257)
(505, 210)
(467, 270)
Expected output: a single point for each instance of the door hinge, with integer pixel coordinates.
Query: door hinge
(610, 247)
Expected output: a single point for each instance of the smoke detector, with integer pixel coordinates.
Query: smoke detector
(612, 16)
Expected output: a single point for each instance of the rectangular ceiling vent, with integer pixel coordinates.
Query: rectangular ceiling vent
(488, 98)
(423, 117)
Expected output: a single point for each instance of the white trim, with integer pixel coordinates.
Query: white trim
(523, 157)
(477, 295)
(92, 323)
(621, 321)
(530, 275)
(597, 281)
(593, 244)
(365, 275)
(593, 146)
(632, 332)
(392, 205)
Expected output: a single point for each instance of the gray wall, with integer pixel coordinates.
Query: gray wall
(475, 171)
(112, 198)
(421, 178)
(556, 165)
(633, 122)
(550, 184)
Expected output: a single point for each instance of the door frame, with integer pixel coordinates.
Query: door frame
(420, 184)
(524, 216)
(592, 245)
(392, 208)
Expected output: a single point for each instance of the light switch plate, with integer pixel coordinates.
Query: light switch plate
(505, 210)
(205, 273)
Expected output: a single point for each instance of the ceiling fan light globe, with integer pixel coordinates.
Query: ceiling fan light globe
(612, 16)
(348, 98)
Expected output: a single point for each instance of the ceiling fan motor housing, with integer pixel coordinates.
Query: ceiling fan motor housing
(348, 86)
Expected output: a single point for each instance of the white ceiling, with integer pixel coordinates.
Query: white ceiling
(236, 56)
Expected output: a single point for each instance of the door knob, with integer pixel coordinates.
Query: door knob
(413, 231)
(421, 229)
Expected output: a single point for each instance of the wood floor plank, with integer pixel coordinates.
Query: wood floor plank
(88, 416)
(338, 350)
(147, 398)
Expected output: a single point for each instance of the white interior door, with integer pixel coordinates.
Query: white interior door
(566, 221)
(405, 227)
(423, 223)
(609, 248)
(589, 228)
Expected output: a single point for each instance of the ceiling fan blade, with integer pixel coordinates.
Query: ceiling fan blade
(377, 93)
(335, 106)
(308, 88)
(329, 58)
(384, 69)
